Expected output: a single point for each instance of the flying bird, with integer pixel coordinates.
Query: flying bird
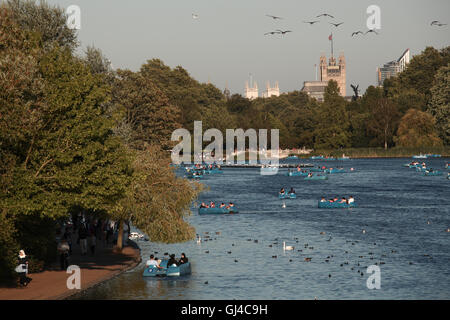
(273, 17)
(283, 32)
(371, 30)
(325, 15)
(271, 32)
(356, 33)
(194, 16)
(310, 22)
(336, 24)
(437, 23)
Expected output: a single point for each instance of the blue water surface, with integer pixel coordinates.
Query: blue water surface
(405, 216)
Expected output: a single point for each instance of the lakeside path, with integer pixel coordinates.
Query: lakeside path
(51, 284)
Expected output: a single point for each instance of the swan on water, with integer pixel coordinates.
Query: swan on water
(285, 247)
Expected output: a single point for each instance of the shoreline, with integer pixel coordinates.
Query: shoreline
(51, 284)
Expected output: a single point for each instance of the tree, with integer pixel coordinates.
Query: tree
(49, 22)
(158, 201)
(146, 109)
(439, 105)
(417, 129)
(332, 120)
(382, 121)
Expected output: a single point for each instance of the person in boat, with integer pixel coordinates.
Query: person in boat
(230, 206)
(212, 205)
(310, 175)
(222, 205)
(153, 262)
(282, 191)
(298, 169)
(323, 199)
(183, 259)
(172, 261)
(350, 200)
(292, 191)
(203, 205)
(343, 200)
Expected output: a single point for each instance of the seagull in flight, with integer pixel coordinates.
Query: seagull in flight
(437, 23)
(273, 17)
(194, 16)
(371, 30)
(271, 32)
(283, 32)
(311, 22)
(336, 24)
(325, 15)
(356, 33)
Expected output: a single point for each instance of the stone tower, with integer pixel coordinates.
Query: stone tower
(271, 91)
(251, 93)
(334, 71)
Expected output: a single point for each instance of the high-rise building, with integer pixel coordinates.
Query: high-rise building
(271, 91)
(392, 68)
(251, 92)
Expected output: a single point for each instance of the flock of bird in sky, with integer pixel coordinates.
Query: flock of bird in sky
(283, 32)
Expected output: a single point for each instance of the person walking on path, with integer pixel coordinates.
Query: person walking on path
(63, 249)
(22, 269)
(93, 241)
(82, 237)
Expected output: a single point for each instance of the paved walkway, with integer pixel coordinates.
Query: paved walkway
(52, 284)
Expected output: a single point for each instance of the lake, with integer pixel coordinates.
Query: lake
(404, 214)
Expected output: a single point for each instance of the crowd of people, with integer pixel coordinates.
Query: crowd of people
(213, 205)
(155, 262)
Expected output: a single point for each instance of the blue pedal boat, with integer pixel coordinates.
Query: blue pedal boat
(330, 171)
(172, 271)
(292, 195)
(433, 173)
(317, 177)
(317, 158)
(217, 210)
(296, 174)
(334, 205)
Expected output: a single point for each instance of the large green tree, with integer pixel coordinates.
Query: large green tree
(417, 129)
(332, 120)
(439, 105)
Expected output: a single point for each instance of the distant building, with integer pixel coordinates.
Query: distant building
(251, 93)
(315, 89)
(328, 71)
(271, 91)
(392, 68)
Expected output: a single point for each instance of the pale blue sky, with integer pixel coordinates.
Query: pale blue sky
(227, 42)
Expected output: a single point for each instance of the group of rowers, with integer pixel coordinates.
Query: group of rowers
(155, 262)
(416, 163)
(292, 191)
(336, 199)
(213, 205)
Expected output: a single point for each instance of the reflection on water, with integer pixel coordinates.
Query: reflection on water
(405, 216)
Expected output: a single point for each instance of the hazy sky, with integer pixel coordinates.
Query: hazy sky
(227, 42)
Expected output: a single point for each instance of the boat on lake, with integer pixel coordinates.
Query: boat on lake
(171, 271)
(420, 156)
(433, 173)
(297, 173)
(334, 205)
(218, 210)
(316, 177)
(286, 195)
(335, 170)
(316, 158)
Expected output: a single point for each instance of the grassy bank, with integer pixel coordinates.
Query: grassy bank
(396, 152)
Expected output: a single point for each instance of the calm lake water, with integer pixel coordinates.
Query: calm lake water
(405, 216)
